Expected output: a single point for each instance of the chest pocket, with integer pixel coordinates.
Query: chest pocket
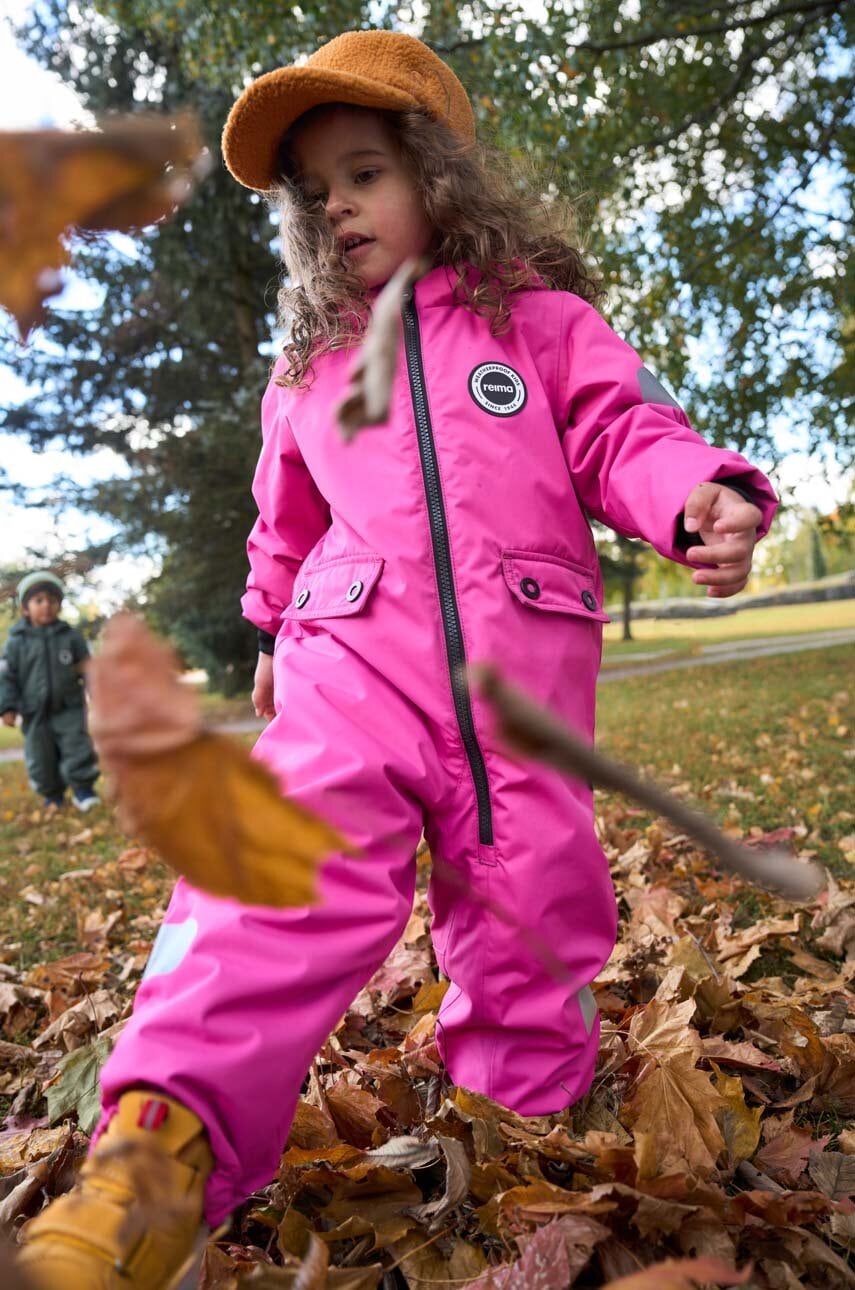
(334, 588)
(552, 585)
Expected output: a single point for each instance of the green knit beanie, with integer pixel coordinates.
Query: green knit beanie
(42, 580)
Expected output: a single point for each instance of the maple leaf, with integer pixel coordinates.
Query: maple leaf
(128, 173)
(676, 1104)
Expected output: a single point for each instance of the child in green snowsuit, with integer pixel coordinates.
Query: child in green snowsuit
(41, 677)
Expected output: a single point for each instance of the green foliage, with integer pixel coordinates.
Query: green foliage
(713, 146)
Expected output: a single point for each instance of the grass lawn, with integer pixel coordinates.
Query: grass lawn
(760, 745)
(683, 635)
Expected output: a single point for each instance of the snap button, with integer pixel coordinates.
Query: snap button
(302, 598)
(530, 588)
(354, 591)
(589, 600)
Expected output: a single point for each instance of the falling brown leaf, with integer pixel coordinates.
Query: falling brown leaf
(138, 706)
(128, 173)
(367, 400)
(211, 812)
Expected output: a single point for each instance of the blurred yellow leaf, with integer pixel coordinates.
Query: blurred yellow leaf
(129, 173)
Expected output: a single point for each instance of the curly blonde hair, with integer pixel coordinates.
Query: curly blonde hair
(487, 216)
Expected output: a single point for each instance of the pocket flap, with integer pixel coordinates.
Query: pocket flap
(547, 582)
(334, 588)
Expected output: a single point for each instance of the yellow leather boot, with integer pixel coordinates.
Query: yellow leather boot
(132, 1219)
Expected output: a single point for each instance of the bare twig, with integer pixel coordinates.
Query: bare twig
(535, 732)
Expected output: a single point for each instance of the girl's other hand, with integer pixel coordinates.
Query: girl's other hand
(262, 690)
(727, 525)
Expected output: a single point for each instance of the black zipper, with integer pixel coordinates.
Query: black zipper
(444, 575)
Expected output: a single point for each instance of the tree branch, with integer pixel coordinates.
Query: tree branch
(653, 37)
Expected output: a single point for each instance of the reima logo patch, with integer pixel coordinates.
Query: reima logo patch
(498, 389)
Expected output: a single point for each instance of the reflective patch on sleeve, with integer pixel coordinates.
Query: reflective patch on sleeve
(653, 391)
(170, 947)
(587, 1007)
(4, 666)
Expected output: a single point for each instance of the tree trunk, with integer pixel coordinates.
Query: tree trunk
(627, 607)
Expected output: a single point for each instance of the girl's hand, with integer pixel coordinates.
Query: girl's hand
(727, 526)
(9, 718)
(262, 690)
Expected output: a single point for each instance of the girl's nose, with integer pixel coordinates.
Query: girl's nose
(340, 205)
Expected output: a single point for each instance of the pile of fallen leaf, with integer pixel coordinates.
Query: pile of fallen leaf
(714, 1139)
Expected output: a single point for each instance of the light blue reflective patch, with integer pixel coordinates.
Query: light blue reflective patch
(170, 947)
(652, 390)
(587, 1007)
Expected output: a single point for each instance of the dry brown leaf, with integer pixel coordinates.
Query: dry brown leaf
(662, 1031)
(785, 1157)
(138, 706)
(79, 1023)
(682, 1274)
(458, 1172)
(544, 1265)
(677, 1104)
(744, 1055)
(211, 812)
(354, 1111)
(377, 1204)
(834, 1173)
(740, 1125)
(366, 402)
(311, 1127)
(406, 1152)
(426, 1268)
(130, 172)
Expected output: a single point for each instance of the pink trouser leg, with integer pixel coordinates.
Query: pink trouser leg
(521, 932)
(237, 999)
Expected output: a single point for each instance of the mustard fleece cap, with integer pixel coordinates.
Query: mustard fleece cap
(376, 69)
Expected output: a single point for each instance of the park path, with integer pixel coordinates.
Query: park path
(643, 665)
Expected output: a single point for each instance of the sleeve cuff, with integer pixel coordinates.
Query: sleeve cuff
(266, 642)
(683, 540)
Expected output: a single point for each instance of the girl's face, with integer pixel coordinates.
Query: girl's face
(348, 160)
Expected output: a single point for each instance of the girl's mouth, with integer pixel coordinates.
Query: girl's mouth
(356, 246)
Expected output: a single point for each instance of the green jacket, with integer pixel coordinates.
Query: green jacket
(38, 672)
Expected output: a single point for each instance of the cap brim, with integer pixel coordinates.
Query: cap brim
(271, 104)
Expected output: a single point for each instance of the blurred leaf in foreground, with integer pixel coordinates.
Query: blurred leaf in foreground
(131, 172)
(213, 814)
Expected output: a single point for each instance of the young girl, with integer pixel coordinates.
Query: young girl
(379, 568)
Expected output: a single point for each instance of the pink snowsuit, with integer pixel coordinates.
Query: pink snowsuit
(456, 532)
